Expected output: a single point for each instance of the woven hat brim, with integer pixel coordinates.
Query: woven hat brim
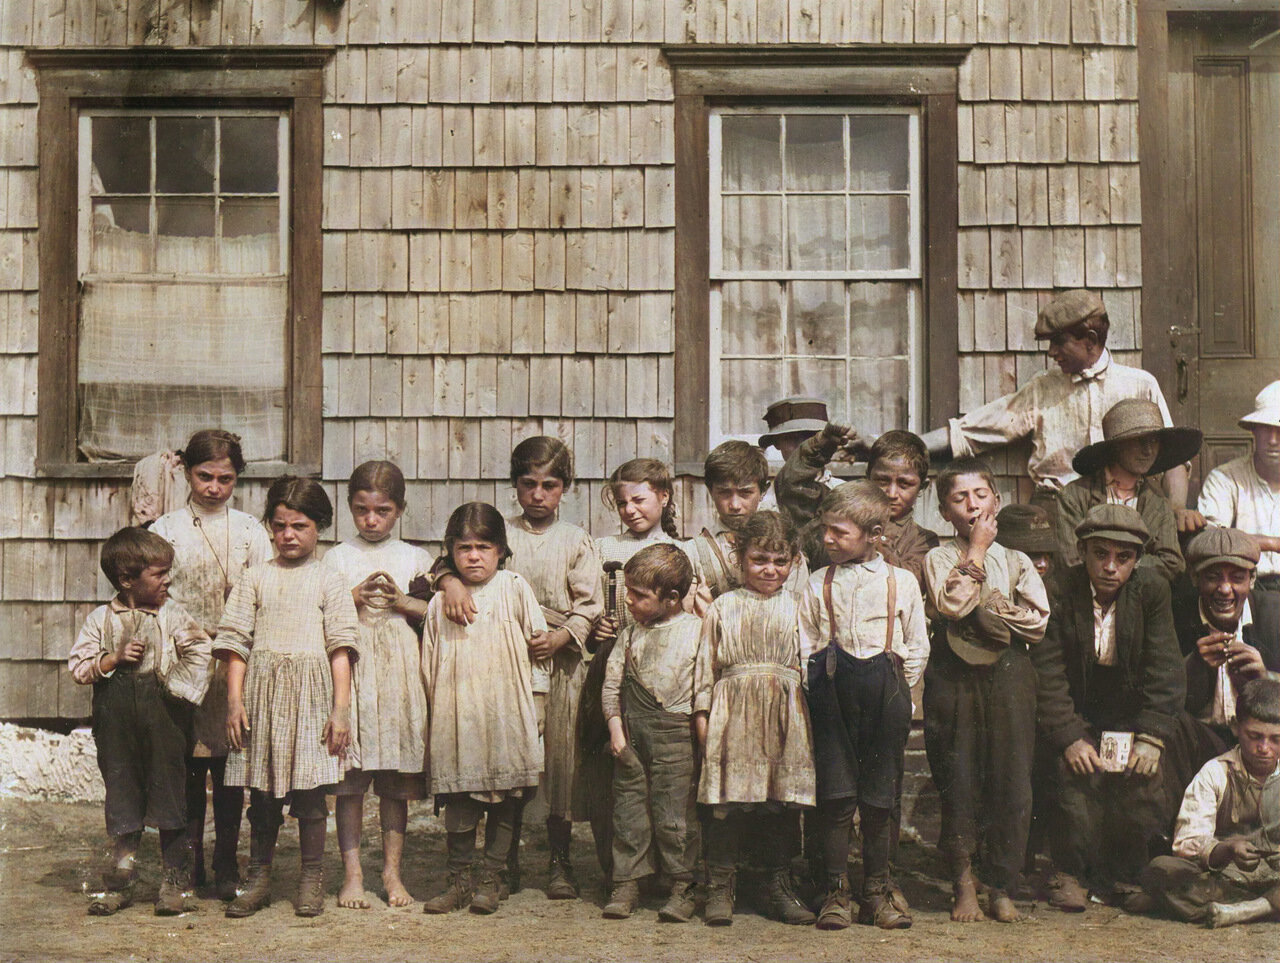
(1177, 445)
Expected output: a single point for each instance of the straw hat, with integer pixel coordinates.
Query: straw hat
(793, 416)
(1266, 408)
(1215, 545)
(1138, 418)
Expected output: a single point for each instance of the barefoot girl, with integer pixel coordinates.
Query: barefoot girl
(390, 731)
(485, 753)
(289, 637)
(751, 717)
(559, 562)
(212, 544)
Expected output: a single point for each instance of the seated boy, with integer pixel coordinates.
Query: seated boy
(1225, 868)
(1118, 470)
(988, 606)
(737, 476)
(149, 665)
(647, 700)
(864, 638)
(1109, 663)
(1224, 648)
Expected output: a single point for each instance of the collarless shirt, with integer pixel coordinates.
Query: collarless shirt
(1104, 632)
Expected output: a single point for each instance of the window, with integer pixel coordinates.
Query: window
(815, 264)
(815, 192)
(179, 253)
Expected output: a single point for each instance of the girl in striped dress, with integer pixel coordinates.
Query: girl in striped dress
(289, 636)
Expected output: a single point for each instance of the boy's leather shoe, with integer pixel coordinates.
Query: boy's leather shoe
(456, 894)
(681, 906)
(785, 905)
(256, 895)
(836, 914)
(488, 893)
(1066, 893)
(622, 902)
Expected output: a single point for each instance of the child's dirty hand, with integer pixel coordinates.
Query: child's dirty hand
(605, 630)
(983, 533)
(337, 731)
(832, 438)
(1241, 852)
(1082, 757)
(617, 743)
(237, 725)
(1144, 758)
(543, 645)
(458, 605)
(130, 650)
(378, 591)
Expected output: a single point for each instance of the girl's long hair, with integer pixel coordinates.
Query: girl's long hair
(657, 476)
(476, 520)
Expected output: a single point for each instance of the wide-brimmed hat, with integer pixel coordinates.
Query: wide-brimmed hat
(1137, 418)
(1119, 523)
(1066, 311)
(792, 416)
(1215, 545)
(1266, 408)
(979, 637)
(1026, 528)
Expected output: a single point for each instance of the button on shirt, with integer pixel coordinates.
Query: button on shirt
(1062, 414)
(1235, 496)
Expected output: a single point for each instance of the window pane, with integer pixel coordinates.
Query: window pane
(185, 244)
(879, 226)
(878, 319)
(249, 149)
(746, 390)
(250, 236)
(878, 389)
(751, 318)
(815, 233)
(752, 227)
(878, 152)
(749, 154)
(121, 155)
(121, 238)
(184, 155)
(815, 152)
(816, 314)
(820, 379)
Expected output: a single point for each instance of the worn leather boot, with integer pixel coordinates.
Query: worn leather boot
(562, 884)
(785, 905)
(720, 886)
(257, 889)
(622, 902)
(682, 905)
(457, 893)
(835, 913)
(171, 901)
(486, 897)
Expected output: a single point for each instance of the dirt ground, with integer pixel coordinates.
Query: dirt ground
(51, 856)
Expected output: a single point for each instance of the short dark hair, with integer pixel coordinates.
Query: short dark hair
(736, 462)
(1260, 700)
(542, 452)
(479, 520)
(130, 551)
(662, 568)
(946, 479)
(769, 532)
(860, 502)
(383, 477)
(210, 444)
(1098, 323)
(901, 444)
(305, 495)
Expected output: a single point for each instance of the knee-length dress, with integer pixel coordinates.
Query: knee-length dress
(479, 679)
(210, 551)
(747, 676)
(286, 620)
(563, 570)
(388, 699)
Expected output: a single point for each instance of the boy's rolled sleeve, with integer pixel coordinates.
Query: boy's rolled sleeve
(1194, 830)
(611, 691)
(88, 650)
(915, 628)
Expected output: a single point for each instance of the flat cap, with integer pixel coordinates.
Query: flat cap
(1120, 523)
(1215, 545)
(1066, 311)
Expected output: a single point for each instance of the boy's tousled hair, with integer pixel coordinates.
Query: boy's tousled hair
(657, 476)
(946, 479)
(305, 495)
(1260, 700)
(383, 477)
(541, 452)
(127, 553)
(210, 444)
(860, 502)
(768, 532)
(738, 463)
(1098, 322)
(479, 521)
(661, 568)
(901, 444)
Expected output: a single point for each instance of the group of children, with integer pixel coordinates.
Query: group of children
(700, 703)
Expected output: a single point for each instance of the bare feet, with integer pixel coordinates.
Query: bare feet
(351, 896)
(1001, 909)
(397, 895)
(964, 908)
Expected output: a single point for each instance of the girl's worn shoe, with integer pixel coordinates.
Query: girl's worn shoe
(681, 906)
(836, 913)
(457, 894)
(171, 900)
(256, 895)
(487, 895)
(785, 905)
(310, 900)
(719, 908)
(880, 909)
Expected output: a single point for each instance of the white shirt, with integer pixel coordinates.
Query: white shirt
(1235, 496)
(1223, 711)
(1223, 800)
(1062, 414)
(1104, 632)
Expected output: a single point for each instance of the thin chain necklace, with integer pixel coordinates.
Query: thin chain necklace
(199, 524)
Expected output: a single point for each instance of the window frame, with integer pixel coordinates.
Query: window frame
(68, 81)
(706, 76)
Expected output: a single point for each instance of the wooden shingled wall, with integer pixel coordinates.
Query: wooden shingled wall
(498, 237)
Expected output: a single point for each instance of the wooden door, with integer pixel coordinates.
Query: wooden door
(1224, 139)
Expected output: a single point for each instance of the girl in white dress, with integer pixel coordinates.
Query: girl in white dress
(212, 544)
(389, 705)
(485, 752)
(289, 636)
